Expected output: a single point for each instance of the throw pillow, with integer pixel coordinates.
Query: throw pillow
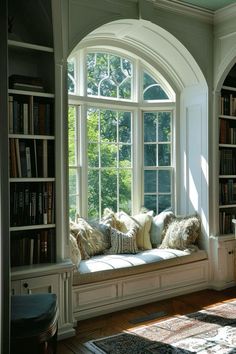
(89, 239)
(123, 242)
(159, 225)
(143, 222)
(110, 218)
(75, 254)
(182, 232)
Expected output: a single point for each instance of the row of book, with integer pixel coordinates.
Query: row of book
(33, 247)
(32, 203)
(228, 104)
(227, 162)
(31, 158)
(225, 221)
(30, 115)
(227, 191)
(227, 131)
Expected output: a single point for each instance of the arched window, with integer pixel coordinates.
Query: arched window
(120, 121)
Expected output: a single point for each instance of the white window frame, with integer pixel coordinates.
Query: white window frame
(137, 106)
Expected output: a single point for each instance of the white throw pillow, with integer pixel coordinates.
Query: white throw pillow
(159, 224)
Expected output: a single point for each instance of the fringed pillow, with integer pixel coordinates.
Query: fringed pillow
(182, 232)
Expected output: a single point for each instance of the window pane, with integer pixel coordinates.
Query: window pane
(108, 125)
(72, 207)
(93, 157)
(150, 202)
(150, 181)
(164, 155)
(152, 89)
(108, 75)
(73, 181)
(164, 181)
(125, 156)
(71, 76)
(72, 135)
(164, 202)
(109, 189)
(92, 124)
(93, 194)
(149, 155)
(150, 120)
(108, 155)
(124, 127)
(164, 126)
(125, 183)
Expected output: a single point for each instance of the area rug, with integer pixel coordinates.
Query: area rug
(208, 331)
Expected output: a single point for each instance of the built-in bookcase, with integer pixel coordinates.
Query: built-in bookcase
(227, 156)
(31, 154)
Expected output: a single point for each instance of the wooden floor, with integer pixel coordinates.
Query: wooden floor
(118, 321)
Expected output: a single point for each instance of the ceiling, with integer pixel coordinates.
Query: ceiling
(212, 5)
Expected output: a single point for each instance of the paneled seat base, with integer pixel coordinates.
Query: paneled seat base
(108, 283)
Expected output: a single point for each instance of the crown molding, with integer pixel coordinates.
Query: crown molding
(179, 7)
(227, 13)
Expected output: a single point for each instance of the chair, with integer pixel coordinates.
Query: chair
(34, 323)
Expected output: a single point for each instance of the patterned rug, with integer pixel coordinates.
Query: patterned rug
(208, 331)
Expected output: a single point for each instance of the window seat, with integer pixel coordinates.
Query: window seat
(106, 267)
(107, 283)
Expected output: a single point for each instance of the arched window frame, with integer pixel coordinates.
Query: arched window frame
(137, 105)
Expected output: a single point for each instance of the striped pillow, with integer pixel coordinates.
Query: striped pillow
(123, 242)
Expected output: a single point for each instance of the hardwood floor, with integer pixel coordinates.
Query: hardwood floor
(116, 322)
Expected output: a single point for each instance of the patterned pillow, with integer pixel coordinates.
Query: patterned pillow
(123, 242)
(90, 240)
(182, 232)
(143, 222)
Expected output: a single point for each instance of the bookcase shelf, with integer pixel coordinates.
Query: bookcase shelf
(30, 46)
(32, 227)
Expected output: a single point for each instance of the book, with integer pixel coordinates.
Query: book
(28, 161)
(10, 113)
(18, 158)
(24, 82)
(25, 118)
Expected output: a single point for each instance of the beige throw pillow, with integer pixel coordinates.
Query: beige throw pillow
(75, 254)
(182, 232)
(143, 222)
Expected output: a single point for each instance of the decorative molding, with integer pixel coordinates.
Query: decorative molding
(225, 14)
(185, 9)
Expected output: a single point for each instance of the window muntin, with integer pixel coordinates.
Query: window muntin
(109, 136)
(152, 90)
(71, 84)
(157, 151)
(109, 75)
(151, 161)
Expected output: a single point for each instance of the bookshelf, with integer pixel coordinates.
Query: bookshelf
(227, 156)
(39, 261)
(32, 178)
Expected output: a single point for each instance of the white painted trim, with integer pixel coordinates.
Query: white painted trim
(185, 9)
(225, 14)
